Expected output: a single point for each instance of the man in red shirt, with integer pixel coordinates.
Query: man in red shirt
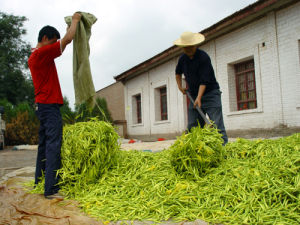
(48, 99)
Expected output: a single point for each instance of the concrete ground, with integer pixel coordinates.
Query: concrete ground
(25, 156)
(11, 160)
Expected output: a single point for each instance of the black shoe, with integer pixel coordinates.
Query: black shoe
(55, 196)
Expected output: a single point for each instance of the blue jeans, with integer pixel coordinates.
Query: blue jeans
(210, 105)
(50, 138)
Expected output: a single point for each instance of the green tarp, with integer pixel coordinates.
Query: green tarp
(82, 76)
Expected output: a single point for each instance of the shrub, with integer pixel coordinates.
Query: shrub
(68, 116)
(100, 110)
(22, 129)
(8, 110)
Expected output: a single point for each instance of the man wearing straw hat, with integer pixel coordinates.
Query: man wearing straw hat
(199, 74)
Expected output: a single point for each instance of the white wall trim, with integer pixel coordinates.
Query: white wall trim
(155, 85)
(241, 112)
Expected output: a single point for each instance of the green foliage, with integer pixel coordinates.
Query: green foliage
(22, 129)
(100, 110)
(23, 114)
(26, 107)
(14, 53)
(68, 116)
(84, 113)
(15, 117)
(21, 123)
(9, 112)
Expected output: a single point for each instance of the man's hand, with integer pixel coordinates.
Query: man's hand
(183, 90)
(197, 102)
(76, 17)
(67, 39)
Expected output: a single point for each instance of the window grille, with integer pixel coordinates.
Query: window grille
(245, 85)
(138, 108)
(163, 103)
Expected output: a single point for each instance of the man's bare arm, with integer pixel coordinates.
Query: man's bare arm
(200, 94)
(67, 39)
(179, 83)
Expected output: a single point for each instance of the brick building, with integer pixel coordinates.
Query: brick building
(255, 53)
(114, 96)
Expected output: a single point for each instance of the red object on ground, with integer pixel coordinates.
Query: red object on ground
(131, 141)
(161, 139)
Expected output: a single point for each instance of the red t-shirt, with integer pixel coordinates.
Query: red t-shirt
(44, 74)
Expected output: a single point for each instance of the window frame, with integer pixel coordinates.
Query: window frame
(246, 80)
(138, 99)
(163, 115)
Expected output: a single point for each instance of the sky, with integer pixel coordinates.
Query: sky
(126, 33)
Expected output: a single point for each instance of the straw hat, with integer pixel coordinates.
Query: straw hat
(189, 39)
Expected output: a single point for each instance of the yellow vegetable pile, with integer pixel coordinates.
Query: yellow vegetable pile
(194, 153)
(89, 149)
(246, 182)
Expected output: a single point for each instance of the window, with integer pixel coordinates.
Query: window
(245, 85)
(299, 49)
(298, 84)
(161, 103)
(137, 109)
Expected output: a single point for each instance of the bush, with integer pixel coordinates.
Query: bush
(11, 111)
(100, 110)
(8, 110)
(68, 116)
(22, 124)
(23, 129)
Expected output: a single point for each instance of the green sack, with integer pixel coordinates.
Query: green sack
(82, 76)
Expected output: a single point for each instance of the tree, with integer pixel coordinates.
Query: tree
(100, 110)
(15, 82)
(68, 116)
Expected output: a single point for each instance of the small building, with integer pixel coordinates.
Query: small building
(255, 53)
(114, 96)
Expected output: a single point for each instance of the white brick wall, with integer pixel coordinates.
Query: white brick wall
(276, 70)
(288, 29)
(146, 84)
(238, 46)
(272, 41)
(139, 85)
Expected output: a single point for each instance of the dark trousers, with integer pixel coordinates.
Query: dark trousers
(211, 105)
(50, 138)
